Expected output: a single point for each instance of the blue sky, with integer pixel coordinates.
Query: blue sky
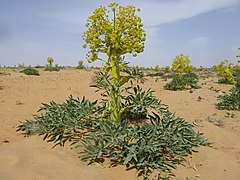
(206, 30)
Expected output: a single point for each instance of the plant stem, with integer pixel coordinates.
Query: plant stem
(115, 94)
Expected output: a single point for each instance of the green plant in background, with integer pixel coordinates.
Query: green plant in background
(166, 69)
(156, 68)
(50, 66)
(80, 64)
(225, 71)
(231, 101)
(129, 126)
(214, 67)
(187, 81)
(183, 77)
(236, 69)
(230, 115)
(30, 71)
(158, 74)
(50, 61)
(115, 38)
(181, 65)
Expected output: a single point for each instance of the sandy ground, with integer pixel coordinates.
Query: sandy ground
(32, 158)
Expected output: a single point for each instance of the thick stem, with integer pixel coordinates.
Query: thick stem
(116, 108)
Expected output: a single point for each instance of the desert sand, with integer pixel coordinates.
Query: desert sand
(29, 158)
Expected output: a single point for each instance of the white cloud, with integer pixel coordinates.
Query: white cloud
(153, 12)
(160, 12)
(199, 41)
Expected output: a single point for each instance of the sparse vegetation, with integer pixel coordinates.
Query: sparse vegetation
(50, 66)
(156, 68)
(30, 71)
(225, 72)
(187, 81)
(166, 69)
(50, 61)
(231, 101)
(3, 73)
(230, 115)
(183, 77)
(80, 64)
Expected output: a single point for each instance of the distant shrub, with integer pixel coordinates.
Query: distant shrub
(30, 71)
(80, 64)
(159, 74)
(50, 61)
(3, 73)
(236, 72)
(214, 68)
(156, 68)
(51, 68)
(231, 101)
(166, 69)
(225, 72)
(181, 65)
(183, 77)
(186, 81)
(39, 66)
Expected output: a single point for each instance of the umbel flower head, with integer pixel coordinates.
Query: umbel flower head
(116, 36)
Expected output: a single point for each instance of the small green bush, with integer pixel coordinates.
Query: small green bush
(39, 66)
(30, 71)
(158, 74)
(236, 73)
(49, 68)
(183, 76)
(231, 101)
(183, 82)
(224, 81)
(80, 64)
(225, 72)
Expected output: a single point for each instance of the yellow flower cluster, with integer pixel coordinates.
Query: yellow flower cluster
(116, 36)
(181, 64)
(225, 70)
